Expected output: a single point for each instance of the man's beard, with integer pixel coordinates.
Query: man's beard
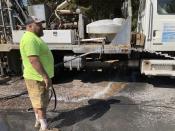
(40, 34)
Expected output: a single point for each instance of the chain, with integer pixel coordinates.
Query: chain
(152, 52)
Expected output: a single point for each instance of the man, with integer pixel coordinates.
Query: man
(38, 65)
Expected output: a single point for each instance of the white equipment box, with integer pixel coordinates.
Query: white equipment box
(50, 36)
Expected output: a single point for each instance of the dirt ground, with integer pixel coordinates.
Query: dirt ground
(103, 102)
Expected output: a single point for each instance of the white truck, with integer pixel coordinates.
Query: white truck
(156, 20)
(107, 43)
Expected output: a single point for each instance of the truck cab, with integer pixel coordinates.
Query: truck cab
(156, 20)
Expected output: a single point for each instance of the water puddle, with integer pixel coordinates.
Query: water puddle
(79, 91)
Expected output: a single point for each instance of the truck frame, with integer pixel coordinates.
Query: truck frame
(74, 48)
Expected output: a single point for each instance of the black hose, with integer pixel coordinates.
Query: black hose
(79, 56)
(55, 97)
(52, 93)
(13, 96)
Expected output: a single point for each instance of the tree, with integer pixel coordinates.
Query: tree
(135, 7)
(97, 9)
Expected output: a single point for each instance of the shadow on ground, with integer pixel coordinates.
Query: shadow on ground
(96, 109)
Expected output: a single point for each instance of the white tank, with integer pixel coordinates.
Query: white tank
(107, 26)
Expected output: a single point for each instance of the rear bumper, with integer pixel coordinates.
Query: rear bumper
(158, 67)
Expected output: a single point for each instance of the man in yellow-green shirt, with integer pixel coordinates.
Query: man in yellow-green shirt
(38, 65)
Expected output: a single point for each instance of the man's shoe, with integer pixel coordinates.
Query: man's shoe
(53, 129)
(37, 124)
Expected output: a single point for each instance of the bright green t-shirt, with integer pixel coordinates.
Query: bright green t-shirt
(31, 45)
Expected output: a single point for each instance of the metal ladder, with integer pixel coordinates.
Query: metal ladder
(5, 31)
(5, 22)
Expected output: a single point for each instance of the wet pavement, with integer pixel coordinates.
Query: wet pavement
(16, 121)
(108, 104)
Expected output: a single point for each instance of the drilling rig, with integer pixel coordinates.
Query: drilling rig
(81, 43)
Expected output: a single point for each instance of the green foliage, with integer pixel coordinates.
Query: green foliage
(100, 9)
(135, 7)
(97, 9)
(41, 1)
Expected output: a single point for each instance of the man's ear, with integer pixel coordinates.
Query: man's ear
(29, 26)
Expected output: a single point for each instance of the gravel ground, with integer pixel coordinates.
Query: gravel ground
(70, 95)
(103, 102)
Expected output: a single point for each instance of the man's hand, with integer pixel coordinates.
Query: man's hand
(48, 82)
(35, 61)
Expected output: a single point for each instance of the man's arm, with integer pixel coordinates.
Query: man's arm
(35, 61)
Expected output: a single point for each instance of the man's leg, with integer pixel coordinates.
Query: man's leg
(37, 122)
(42, 111)
(42, 118)
(39, 97)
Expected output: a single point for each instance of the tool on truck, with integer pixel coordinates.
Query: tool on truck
(80, 44)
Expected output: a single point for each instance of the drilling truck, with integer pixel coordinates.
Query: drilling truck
(80, 43)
